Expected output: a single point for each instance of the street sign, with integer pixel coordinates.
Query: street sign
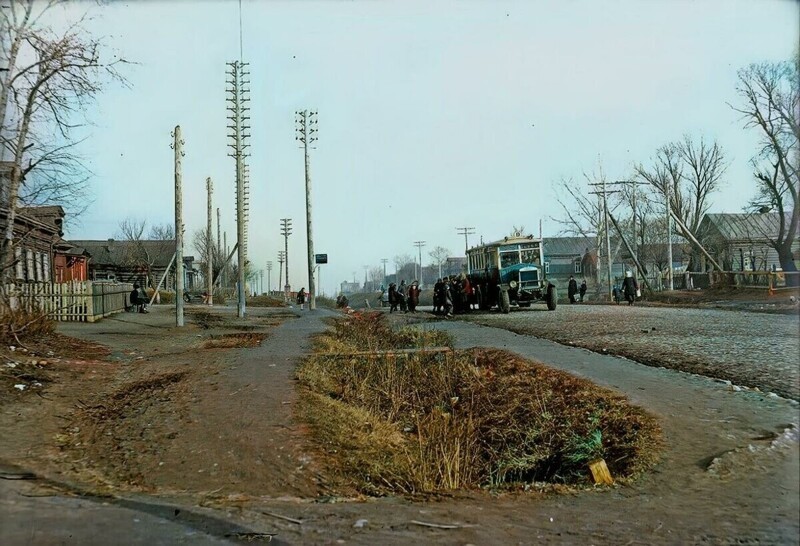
(321, 258)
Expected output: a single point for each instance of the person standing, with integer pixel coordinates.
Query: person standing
(401, 296)
(629, 288)
(582, 290)
(301, 297)
(438, 294)
(392, 297)
(572, 289)
(413, 296)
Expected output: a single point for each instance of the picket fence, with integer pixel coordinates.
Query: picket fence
(77, 301)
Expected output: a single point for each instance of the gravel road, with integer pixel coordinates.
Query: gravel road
(756, 350)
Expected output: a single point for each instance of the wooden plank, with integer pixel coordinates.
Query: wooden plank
(393, 352)
(600, 472)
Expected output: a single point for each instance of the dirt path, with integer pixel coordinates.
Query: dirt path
(236, 416)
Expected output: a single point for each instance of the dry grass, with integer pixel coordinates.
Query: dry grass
(437, 422)
(233, 341)
(19, 325)
(264, 301)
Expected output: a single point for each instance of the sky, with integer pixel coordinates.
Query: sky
(432, 115)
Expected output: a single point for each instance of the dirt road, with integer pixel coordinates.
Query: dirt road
(729, 474)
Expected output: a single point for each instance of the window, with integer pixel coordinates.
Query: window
(39, 273)
(577, 266)
(30, 268)
(546, 268)
(508, 259)
(46, 267)
(530, 256)
(20, 266)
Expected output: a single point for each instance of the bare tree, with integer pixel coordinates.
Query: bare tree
(201, 241)
(404, 265)
(48, 81)
(771, 103)
(439, 256)
(142, 253)
(688, 172)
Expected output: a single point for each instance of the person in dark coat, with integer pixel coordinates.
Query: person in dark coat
(572, 289)
(138, 300)
(392, 297)
(301, 297)
(438, 295)
(401, 296)
(629, 287)
(582, 290)
(413, 296)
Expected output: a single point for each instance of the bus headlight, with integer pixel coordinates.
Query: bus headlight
(512, 284)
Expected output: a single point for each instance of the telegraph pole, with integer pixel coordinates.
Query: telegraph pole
(286, 230)
(210, 242)
(466, 231)
(219, 239)
(269, 277)
(366, 268)
(603, 193)
(226, 254)
(262, 282)
(419, 245)
(177, 146)
(238, 98)
(307, 134)
(668, 201)
(281, 259)
(384, 261)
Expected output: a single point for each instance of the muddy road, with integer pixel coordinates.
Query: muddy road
(216, 451)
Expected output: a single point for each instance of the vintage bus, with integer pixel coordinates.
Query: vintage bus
(508, 271)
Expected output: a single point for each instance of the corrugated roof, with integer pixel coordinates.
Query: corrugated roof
(567, 246)
(744, 226)
(112, 252)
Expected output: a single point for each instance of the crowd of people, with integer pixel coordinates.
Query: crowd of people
(403, 298)
(573, 290)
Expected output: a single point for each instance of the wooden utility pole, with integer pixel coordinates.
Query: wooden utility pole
(238, 98)
(269, 277)
(281, 259)
(419, 245)
(210, 243)
(466, 232)
(307, 134)
(286, 230)
(668, 201)
(604, 194)
(219, 239)
(384, 261)
(225, 267)
(177, 146)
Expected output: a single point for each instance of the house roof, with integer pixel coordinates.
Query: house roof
(51, 215)
(567, 246)
(743, 226)
(111, 252)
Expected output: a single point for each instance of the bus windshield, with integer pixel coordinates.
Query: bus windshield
(507, 259)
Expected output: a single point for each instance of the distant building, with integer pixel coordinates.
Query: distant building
(133, 261)
(349, 287)
(454, 265)
(37, 231)
(740, 242)
(565, 256)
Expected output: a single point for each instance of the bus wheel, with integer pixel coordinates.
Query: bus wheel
(505, 301)
(552, 297)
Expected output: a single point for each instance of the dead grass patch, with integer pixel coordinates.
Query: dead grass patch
(99, 435)
(265, 301)
(423, 423)
(233, 341)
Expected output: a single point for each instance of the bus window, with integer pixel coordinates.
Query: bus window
(530, 256)
(508, 259)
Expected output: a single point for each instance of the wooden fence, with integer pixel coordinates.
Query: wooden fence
(85, 301)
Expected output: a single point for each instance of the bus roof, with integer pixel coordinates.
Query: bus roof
(510, 240)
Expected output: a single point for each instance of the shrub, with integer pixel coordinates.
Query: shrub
(461, 419)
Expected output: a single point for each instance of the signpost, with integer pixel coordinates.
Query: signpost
(320, 259)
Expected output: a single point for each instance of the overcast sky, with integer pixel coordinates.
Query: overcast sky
(432, 115)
